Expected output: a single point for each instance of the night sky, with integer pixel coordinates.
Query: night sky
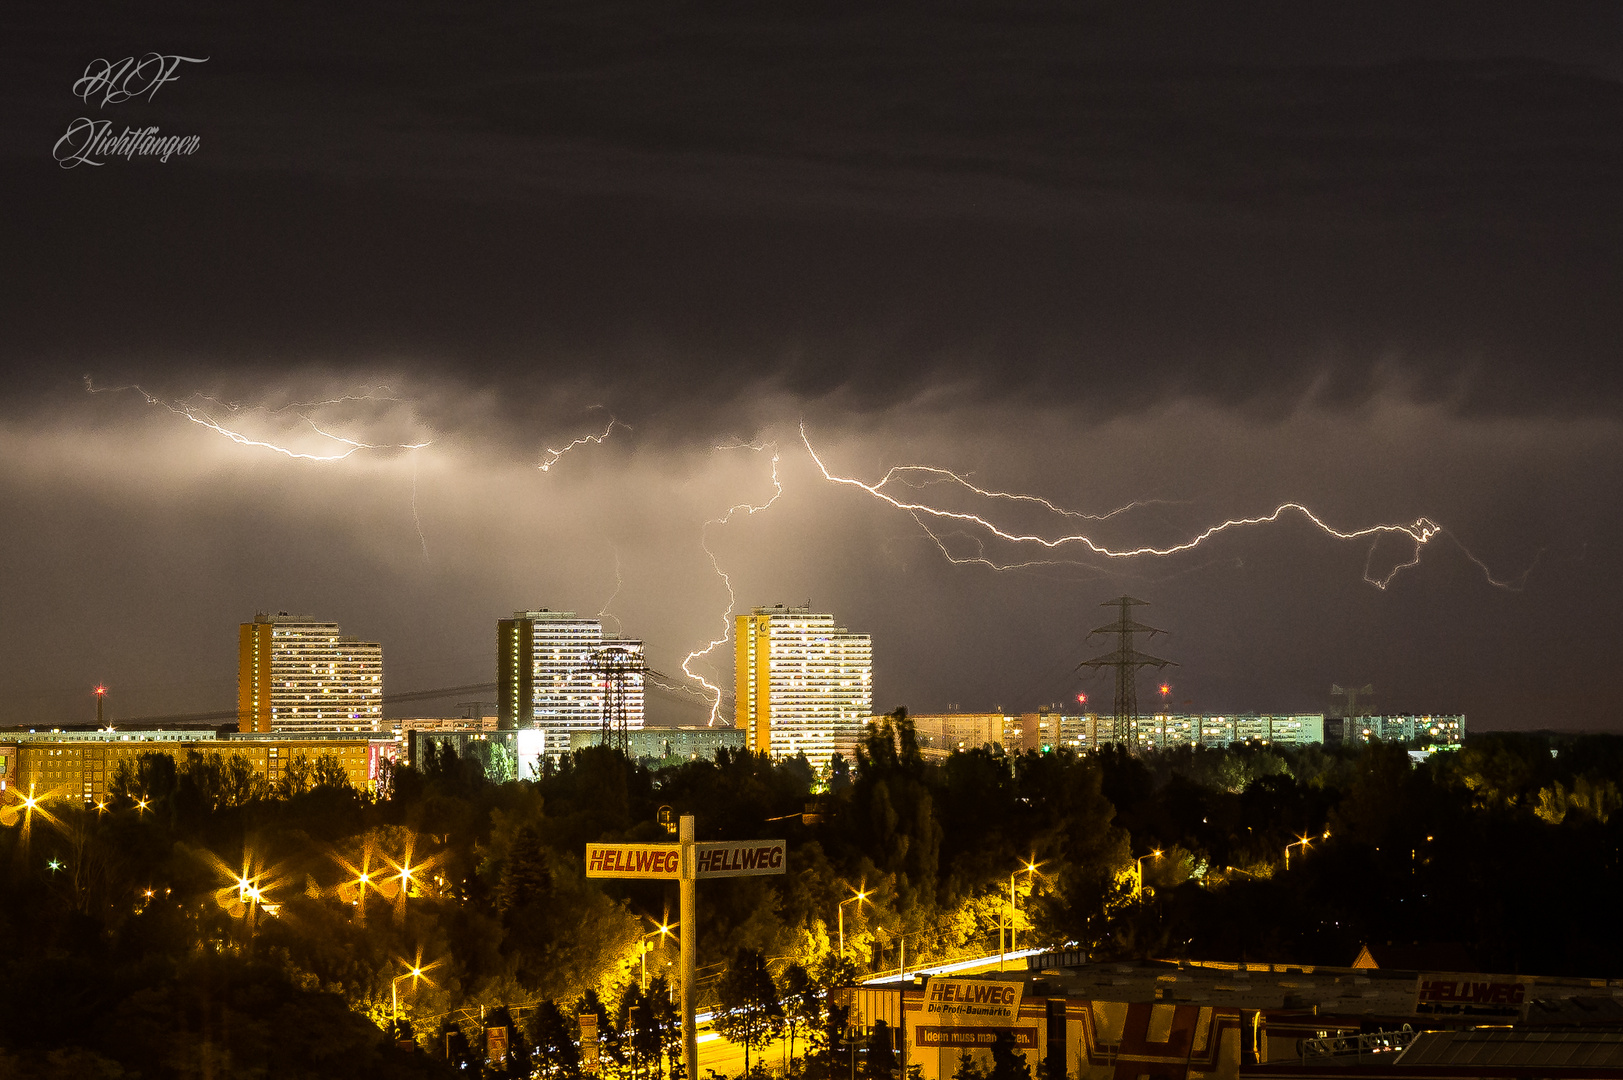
(1203, 258)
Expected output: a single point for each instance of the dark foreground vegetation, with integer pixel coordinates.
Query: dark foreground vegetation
(202, 925)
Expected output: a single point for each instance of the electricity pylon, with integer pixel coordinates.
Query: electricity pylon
(1126, 660)
(620, 669)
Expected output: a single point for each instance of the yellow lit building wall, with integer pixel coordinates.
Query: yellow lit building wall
(753, 673)
(254, 677)
(85, 770)
(804, 685)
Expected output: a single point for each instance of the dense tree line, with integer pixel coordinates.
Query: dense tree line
(204, 917)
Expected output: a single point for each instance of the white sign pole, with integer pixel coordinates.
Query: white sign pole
(690, 943)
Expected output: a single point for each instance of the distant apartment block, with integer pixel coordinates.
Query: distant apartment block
(295, 673)
(939, 734)
(1447, 729)
(552, 676)
(81, 765)
(670, 745)
(804, 684)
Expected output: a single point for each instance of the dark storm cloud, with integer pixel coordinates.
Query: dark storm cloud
(1220, 257)
(662, 204)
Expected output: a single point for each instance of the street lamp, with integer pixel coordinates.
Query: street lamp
(394, 989)
(1030, 869)
(643, 948)
(1138, 873)
(861, 895)
(1301, 842)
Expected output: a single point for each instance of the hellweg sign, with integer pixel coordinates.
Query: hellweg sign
(973, 1002)
(745, 858)
(633, 861)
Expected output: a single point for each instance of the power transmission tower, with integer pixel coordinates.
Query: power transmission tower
(1349, 723)
(1126, 659)
(619, 668)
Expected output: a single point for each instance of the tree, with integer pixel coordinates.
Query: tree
(1008, 1063)
(295, 778)
(329, 774)
(967, 1069)
(636, 1021)
(802, 1005)
(556, 1050)
(666, 1024)
(750, 1013)
(882, 1063)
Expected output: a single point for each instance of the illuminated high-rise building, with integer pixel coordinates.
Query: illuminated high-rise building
(558, 674)
(805, 685)
(297, 674)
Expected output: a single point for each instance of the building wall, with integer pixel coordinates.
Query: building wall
(939, 734)
(805, 685)
(1047, 730)
(545, 679)
(297, 674)
(670, 743)
(82, 765)
(1098, 1040)
(1448, 729)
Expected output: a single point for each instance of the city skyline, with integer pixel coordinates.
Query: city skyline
(582, 316)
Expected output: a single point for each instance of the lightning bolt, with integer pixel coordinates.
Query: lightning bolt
(618, 582)
(195, 409)
(714, 692)
(1419, 532)
(416, 519)
(553, 455)
(900, 473)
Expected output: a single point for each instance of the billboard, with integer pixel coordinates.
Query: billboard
(632, 861)
(972, 1002)
(588, 1041)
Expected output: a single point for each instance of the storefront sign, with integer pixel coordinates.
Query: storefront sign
(1469, 994)
(973, 1002)
(969, 1038)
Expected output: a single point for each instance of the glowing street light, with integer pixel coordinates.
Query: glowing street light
(644, 948)
(394, 988)
(861, 895)
(1138, 878)
(1301, 842)
(1030, 869)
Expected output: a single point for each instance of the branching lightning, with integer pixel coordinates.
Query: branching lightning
(714, 692)
(618, 582)
(201, 409)
(1419, 532)
(900, 474)
(553, 455)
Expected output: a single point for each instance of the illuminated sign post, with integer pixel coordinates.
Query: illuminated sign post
(686, 862)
